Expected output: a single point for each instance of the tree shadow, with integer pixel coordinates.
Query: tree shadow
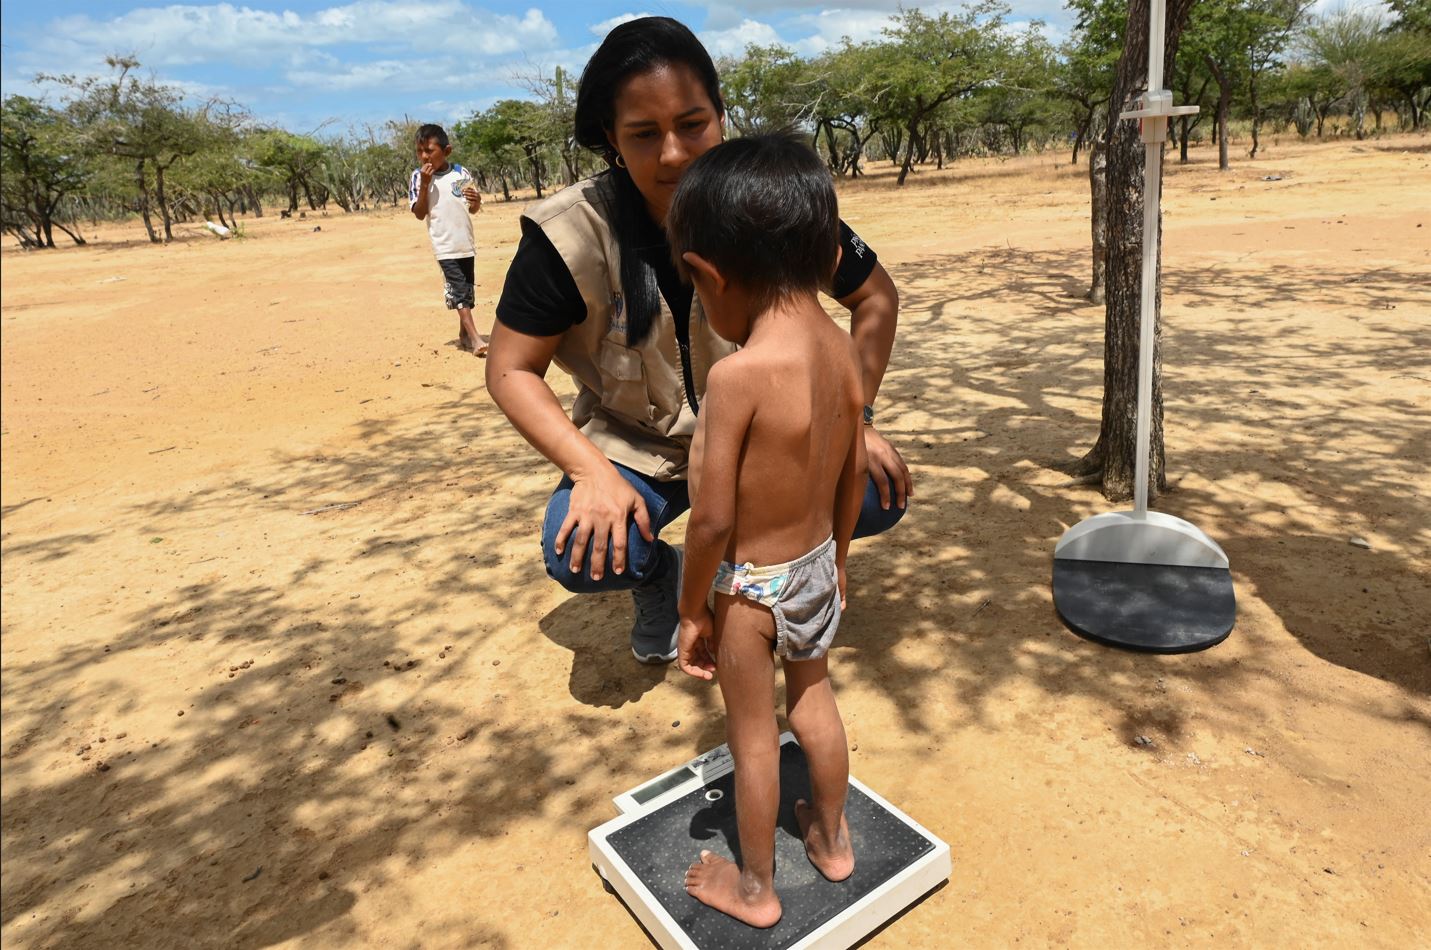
(330, 739)
(986, 414)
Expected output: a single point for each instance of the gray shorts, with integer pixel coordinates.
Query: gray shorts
(459, 287)
(803, 594)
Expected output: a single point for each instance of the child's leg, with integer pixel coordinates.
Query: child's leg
(815, 720)
(745, 633)
(461, 290)
(467, 336)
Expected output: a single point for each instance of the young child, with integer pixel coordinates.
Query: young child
(777, 475)
(443, 193)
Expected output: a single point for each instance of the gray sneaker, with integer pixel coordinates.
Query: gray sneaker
(653, 638)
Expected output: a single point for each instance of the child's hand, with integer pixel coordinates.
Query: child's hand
(840, 574)
(693, 646)
(427, 171)
(474, 198)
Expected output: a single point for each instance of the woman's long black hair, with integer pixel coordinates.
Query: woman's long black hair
(635, 47)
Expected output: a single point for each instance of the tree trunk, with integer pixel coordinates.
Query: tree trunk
(74, 235)
(251, 193)
(1113, 456)
(1098, 187)
(1224, 103)
(163, 203)
(536, 164)
(292, 195)
(1256, 114)
(144, 201)
(908, 155)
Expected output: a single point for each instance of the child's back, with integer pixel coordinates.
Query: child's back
(800, 371)
(777, 474)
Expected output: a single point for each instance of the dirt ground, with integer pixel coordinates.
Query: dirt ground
(281, 665)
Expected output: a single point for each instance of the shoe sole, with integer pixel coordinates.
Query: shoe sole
(654, 659)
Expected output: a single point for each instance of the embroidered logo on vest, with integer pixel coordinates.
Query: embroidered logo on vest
(618, 314)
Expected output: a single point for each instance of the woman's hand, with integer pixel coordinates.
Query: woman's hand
(600, 503)
(887, 468)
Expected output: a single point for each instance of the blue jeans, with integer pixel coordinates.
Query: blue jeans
(665, 502)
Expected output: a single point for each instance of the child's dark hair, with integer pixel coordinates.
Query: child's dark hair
(631, 49)
(430, 131)
(763, 210)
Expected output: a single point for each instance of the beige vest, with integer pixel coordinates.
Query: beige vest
(631, 400)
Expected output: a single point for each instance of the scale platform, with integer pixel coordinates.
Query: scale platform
(666, 822)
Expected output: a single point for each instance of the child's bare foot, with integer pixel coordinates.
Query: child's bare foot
(480, 350)
(835, 859)
(717, 883)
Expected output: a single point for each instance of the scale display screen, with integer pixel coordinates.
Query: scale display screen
(665, 783)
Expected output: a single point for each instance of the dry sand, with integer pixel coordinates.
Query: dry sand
(235, 719)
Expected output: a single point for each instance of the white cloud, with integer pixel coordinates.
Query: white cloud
(828, 27)
(733, 41)
(606, 26)
(243, 36)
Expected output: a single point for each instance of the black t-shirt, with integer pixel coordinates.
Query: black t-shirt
(540, 297)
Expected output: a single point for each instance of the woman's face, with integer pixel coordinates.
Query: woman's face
(664, 121)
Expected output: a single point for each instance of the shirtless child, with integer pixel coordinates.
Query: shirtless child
(777, 475)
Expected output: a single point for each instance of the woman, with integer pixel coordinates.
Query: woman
(593, 288)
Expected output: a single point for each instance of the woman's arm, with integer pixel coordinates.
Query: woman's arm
(874, 314)
(601, 499)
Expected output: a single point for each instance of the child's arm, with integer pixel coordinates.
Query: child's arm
(419, 198)
(727, 412)
(849, 495)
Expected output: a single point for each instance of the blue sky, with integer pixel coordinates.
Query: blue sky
(304, 64)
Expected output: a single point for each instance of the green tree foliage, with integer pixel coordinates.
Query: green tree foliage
(41, 165)
(1084, 71)
(508, 140)
(769, 88)
(143, 122)
(846, 91)
(1239, 41)
(932, 60)
(295, 161)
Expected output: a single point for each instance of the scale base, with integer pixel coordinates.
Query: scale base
(1148, 581)
(643, 855)
(1156, 608)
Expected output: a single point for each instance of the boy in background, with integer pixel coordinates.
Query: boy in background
(777, 476)
(444, 194)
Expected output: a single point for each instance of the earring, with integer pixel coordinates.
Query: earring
(619, 162)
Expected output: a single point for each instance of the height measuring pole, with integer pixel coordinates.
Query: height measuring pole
(1141, 579)
(1154, 111)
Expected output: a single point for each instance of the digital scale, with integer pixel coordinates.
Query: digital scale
(666, 823)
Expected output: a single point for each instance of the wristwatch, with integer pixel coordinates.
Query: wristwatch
(869, 415)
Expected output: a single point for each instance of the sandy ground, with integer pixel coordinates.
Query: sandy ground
(235, 716)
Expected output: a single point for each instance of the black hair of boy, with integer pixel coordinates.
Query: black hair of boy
(763, 211)
(430, 131)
